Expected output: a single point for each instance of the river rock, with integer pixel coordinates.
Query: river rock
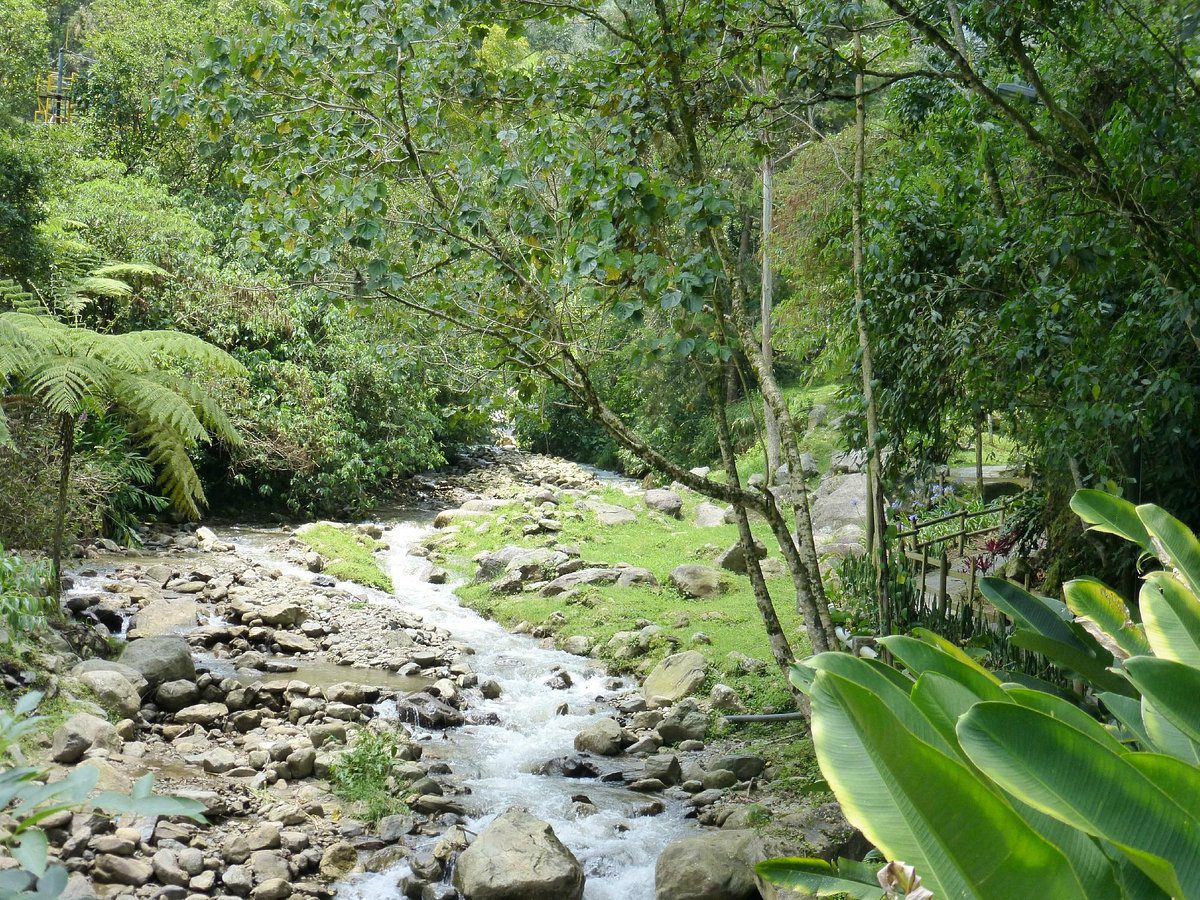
(176, 695)
(603, 737)
(676, 677)
(202, 714)
(114, 690)
(734, 560)
(133, 676)
(666, 502)
(164, 616)
(696, 581)
(518, 857)
(111, 869)
(291, 643)
(592, 575)
(80, 733)
(610, 513)
(726, 699)
(709, 515)
(338, 860)
(428, 711)
(684, 722)
(160, 659)
(744, 766)
(715, 865)
(664, 767)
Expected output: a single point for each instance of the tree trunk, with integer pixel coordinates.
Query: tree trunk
(979, 457)
(876, 520)
(767, 303)
(780, 648)
(66, 430)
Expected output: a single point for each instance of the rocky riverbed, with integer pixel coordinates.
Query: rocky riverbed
(245, 675)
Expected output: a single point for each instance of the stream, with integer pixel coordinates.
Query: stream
(496, 762)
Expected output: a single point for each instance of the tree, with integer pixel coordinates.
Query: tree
(73, 371)
(25, 49)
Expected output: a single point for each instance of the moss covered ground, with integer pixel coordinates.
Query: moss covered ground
(348, 554)
(659, 543)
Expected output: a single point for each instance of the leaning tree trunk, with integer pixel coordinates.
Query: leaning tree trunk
(66, 430)
(780, 648)
(767, 303)
(876, 539)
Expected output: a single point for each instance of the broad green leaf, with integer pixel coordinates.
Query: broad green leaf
(920, 805)
(816, 877)
(1165, 736)
(1171, 615)
(942, 700)
(921, 657)
(1095, 601)
(1069, 713)
(31, 851)
(1174, 544)
(1172, 687)
(1071, 656)
(1112, 515)
(52, 884)
(1068, 775)
(1027, 611)
(1128, 712)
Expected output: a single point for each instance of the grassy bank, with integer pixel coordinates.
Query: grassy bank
(348, 554)
(730, 622)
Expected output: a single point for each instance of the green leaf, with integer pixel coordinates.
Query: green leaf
(1070, 656)
(1095, 601)
(1069, 713)
(1174, 544)
(1027, 611)
(816, 877)
(1068, 775)
(1112, 515)
(922, 806)
(1171, 616)
(1128, 712)
(922, 657)
(1172, 687)
(31, 851)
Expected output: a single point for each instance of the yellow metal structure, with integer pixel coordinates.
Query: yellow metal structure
(54, 98)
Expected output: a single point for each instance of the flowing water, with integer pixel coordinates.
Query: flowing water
(617, 849)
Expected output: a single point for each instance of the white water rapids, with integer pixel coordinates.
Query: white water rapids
(617, 851)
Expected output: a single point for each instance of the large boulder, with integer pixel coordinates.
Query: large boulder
(666, 502)
(79, 734)
(848, 462)
(518, 857)
(676, 677)
(133, 676)
(536, 563)
(840, 500)
(278, 614)
(603, 737)
(113, 690)
(593, 575)
(164, 617)
(696, 581)
(160, 659)
(709, 515)
(716, 865)
(734, 560)
(610, 513)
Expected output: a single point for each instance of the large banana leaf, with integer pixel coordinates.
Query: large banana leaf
(1093, 666)
(1128, 712)
(1112, 515)
(1066, 712)
(1095, 601)
(1066, 774)
(1172, 687)
(1174, 544)
(1037, 614)
(1171, 615)
(922, 657)
(920, 805)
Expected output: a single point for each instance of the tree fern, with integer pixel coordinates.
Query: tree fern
(69, 369)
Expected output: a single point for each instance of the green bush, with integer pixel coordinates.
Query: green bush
(362, 775)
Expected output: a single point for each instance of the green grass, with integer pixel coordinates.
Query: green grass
(657, 543)
(348, 554)
(360, 777)
(998, 450)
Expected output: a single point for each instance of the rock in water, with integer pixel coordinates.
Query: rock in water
(518, 857)
(160, 659)
(718, 865)
(165, 616)
(677, 676)
(603, 737)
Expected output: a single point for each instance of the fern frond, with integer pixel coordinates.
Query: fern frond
(188, 347)
(61, 382)
(206, 408)
(15, 297)
(94, 286)
(168, 452)
(158, 407)
(5, 434)
(123, 270)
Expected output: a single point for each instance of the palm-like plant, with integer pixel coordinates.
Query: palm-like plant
(71, 370)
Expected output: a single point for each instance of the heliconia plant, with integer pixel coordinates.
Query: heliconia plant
(993, 789)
